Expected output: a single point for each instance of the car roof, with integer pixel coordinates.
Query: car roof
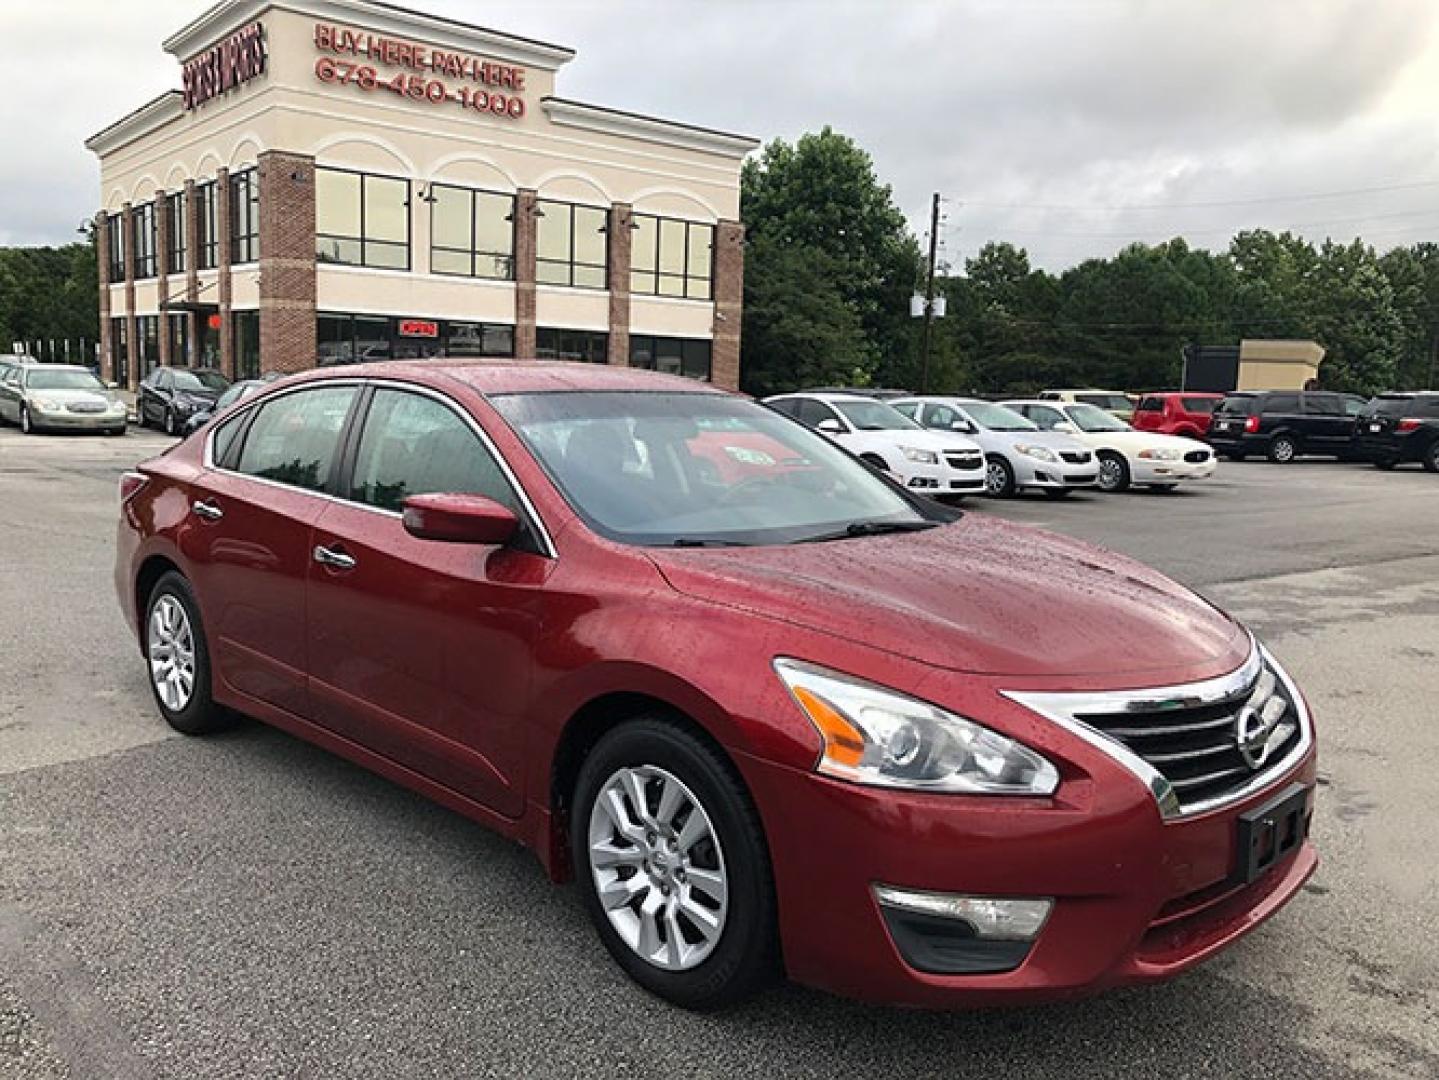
(61, 367)
(1036, 401)
(830, 395)
(518, 376)
(1182, 393)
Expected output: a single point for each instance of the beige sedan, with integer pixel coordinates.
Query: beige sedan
(59, 397)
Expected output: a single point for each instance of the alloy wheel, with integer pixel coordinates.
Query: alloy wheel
(996, 479)
(170, 426)
(1283, 451)
(658, 868)
(171, 645)
(1111, 473)
(25, 421)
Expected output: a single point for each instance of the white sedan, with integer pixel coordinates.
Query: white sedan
(1126, 456)
(929, 462)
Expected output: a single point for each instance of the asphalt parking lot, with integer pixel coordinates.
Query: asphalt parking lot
(248, 906)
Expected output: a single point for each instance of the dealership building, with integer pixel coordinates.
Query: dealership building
(346, 180)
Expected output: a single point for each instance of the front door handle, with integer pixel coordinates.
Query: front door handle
(206, 509)
(339, 560)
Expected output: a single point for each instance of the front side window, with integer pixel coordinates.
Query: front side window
(1282, 403)
(362, 220)
(244, 216)
(295, 439)
(997, 417)
(208, 255)
(674, 356)
(142, 239)
(472, 233)
(571, 245)
(812, 413)
(690, 469)
(1044, 416)
(175, 209)
(874, 416)
(669, 257)
(1105, 401)
(1198, 404)
(1150, 404)
(1092, 418)
(415, 445)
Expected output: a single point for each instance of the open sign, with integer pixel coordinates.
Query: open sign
(419, 328)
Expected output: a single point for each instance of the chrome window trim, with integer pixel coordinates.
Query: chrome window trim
(257, 400)
(1063, 707)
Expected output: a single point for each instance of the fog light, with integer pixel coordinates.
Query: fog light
(989, 918)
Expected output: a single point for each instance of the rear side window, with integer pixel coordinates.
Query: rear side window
(1236, 406)
(222, 442)
(811, 412)
(295, 439)
(415, 445)
(1198, 404)
(787, 406)
(1281, 403)
(1323, 405)
(1150, 404)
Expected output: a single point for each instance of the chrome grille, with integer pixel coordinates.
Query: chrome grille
(964, 459)
(85, 407)
(1197, 746)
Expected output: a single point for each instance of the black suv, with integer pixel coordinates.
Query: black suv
(1285, 424)
(1395, 428)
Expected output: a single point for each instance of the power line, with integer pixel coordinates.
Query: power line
(1229, 230)
(1411, 186)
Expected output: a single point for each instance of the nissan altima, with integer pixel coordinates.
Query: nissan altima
(773, 713)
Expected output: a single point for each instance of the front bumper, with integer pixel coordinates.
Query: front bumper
(1136, 899)
(1033, 473)
(943, 479)
(63, 419)
(1148, 471)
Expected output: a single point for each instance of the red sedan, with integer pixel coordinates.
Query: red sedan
(780, 716)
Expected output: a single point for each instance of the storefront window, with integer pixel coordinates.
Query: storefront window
(244, 216)
(147, 343)
(347, 339)
(472, 233)
(671, 257)
(208, 257)
(177, 328)
(674, 356)
(175, 207)
(571, 245)
(362, 220)
(142, 239)
(120, 350)
(247, 344)
(115, 234)
(591, 346)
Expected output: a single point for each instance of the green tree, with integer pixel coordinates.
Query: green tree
(1413, 274)
(1355, 319)
(815, 210)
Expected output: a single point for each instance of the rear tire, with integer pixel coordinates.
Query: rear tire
(998, 477)
(1113, 472)
(655, 761)
(1430, 460)
(1283, 449)
(178, 658)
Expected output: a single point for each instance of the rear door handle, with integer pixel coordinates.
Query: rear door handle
(206, 509)
(340, 560)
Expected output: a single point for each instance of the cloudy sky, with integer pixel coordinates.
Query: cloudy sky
(1071, 127)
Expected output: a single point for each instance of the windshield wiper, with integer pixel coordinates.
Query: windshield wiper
(695, 542)
(870, 528)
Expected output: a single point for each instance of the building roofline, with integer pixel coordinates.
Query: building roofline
(600, 118)
(154, 114)
(227, 16)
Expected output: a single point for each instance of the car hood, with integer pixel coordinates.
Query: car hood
(979, 595)
(74, 397)
(922, 439)
(1134, 441)
(1054, 440)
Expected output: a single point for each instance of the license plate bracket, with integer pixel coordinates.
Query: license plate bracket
(1271, 832)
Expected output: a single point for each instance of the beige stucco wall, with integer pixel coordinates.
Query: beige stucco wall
(1275, 374)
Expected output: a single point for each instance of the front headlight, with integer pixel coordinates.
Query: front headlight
(876, 736)
(1039, 453)
(918, 456)
(41, 404)
(1161, 453)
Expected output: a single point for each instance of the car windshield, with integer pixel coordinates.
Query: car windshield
(199, 380)
(63, 379)
(1105, 401)
(997, 417)
(698, 469)
(1092, 418)
(874, 416)
(238, 391)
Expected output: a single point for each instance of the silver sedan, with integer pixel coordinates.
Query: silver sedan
(60, 397)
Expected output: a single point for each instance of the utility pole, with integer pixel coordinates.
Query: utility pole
(929, 294)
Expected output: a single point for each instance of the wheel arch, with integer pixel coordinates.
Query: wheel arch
(153, 568)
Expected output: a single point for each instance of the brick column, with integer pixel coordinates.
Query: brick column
(223, 259)
(162, 272)
(621, 242)
(132, 344)
(192, 272)
(102, 258)
(287, 262)
(729, 303)
(526, 227)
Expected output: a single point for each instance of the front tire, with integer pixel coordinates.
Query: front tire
(1113, 472)
(172, 426)
(998, 477)
(27, 427)
(1283, 449)
(1430, 460)
(672, 864)
(178, 659)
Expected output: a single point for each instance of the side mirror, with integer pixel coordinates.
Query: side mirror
(964, 427)
(830, 426)
(1066, 427)
(459, 519)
